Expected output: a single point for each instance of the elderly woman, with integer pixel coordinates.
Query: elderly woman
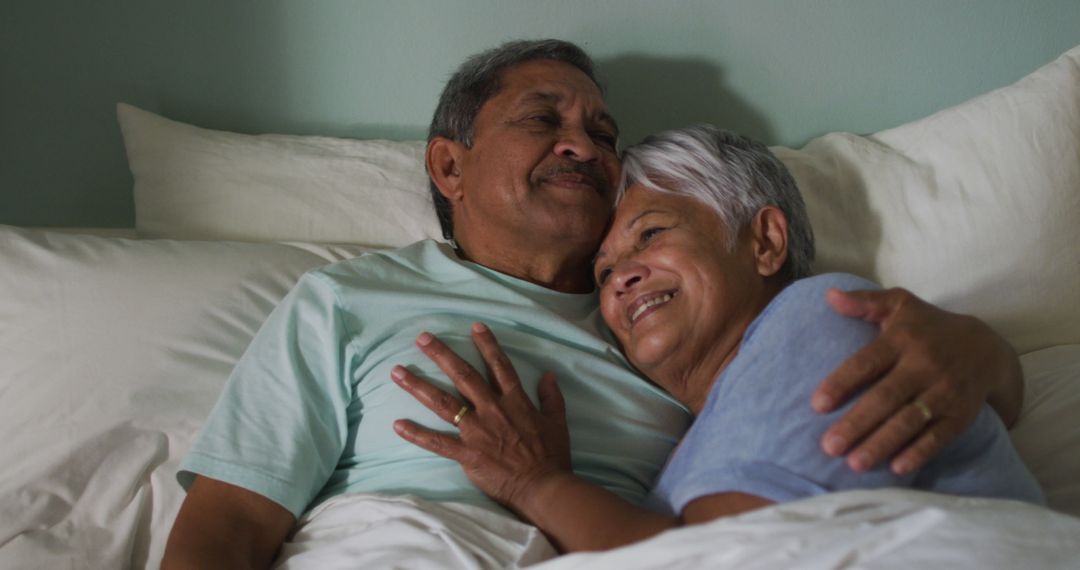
(704, 280)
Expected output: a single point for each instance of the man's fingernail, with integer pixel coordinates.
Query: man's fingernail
(821, 402)
(479, 327)
(835, 445)
(424, 339)
(398, 372)
(860, 461)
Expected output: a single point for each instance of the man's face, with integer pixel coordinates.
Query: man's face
(543, 162)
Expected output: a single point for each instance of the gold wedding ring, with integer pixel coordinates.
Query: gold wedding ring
(460, 414)
(919, 405)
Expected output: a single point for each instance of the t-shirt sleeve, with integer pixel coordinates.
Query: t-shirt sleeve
(280, 424)
(757, 433)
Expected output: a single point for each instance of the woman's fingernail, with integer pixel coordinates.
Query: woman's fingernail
(902, 466)
(398, 373)
(399, 427)
(424, 339)
(821, 402)
(834, 445)
(479, 327)
(860, 461)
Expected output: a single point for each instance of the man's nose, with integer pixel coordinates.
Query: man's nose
(576, 144)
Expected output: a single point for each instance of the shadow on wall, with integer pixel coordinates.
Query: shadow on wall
(649, 94)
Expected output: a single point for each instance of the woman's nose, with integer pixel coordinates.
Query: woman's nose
(627, 275)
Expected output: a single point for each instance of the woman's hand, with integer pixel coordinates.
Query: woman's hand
(505, 445)
(936, 369)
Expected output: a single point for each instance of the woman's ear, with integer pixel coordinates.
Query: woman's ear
(443, 161)
(770, 240)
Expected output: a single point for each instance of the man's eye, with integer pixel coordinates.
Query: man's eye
(608, 140)
(545, 119)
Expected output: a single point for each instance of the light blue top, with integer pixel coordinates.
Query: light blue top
(307, 413)
(757, 433)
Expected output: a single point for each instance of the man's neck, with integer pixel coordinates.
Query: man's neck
(557, 267)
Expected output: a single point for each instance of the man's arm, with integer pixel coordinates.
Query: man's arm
(225, 526)
(950, 363)
(281, 415)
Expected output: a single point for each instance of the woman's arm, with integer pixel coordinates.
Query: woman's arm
(577, 515)
(520, 455)
(950, 363)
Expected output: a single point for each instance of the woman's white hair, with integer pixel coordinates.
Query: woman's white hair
(730, 173)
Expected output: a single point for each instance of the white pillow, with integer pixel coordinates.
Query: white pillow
(1047, 435)
(193, 183)
(112, 352)
(974, 208)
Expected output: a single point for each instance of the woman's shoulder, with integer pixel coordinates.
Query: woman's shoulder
(800, 315)
(807, 296)
(810, 286)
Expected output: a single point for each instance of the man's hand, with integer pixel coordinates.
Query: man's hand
(936, 369)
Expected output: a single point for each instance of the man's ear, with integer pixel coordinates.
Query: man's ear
(443, 161)
(770, 240)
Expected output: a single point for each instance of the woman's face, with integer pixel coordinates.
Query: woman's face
(677, 300)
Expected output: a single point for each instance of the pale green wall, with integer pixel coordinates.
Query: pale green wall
(781, 70)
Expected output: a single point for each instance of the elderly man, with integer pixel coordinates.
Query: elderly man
(522, 158)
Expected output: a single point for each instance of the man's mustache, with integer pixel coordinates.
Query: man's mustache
(590, 170)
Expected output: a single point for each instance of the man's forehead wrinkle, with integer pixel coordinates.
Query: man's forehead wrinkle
(539, 97)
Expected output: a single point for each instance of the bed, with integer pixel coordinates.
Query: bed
(114, 345)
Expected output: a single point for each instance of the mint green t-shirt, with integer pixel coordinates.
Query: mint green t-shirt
(307, 413)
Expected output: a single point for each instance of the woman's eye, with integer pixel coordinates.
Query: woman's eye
(602, 276)
(649, 233)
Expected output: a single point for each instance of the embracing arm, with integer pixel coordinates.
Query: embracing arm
(949, 363)
(520, 455)
(574, 514)
(577, 515)
(225, 526)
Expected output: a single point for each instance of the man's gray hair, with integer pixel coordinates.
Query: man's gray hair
(730, 173)
(476, 81)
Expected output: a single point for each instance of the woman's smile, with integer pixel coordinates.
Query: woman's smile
(648, 303)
